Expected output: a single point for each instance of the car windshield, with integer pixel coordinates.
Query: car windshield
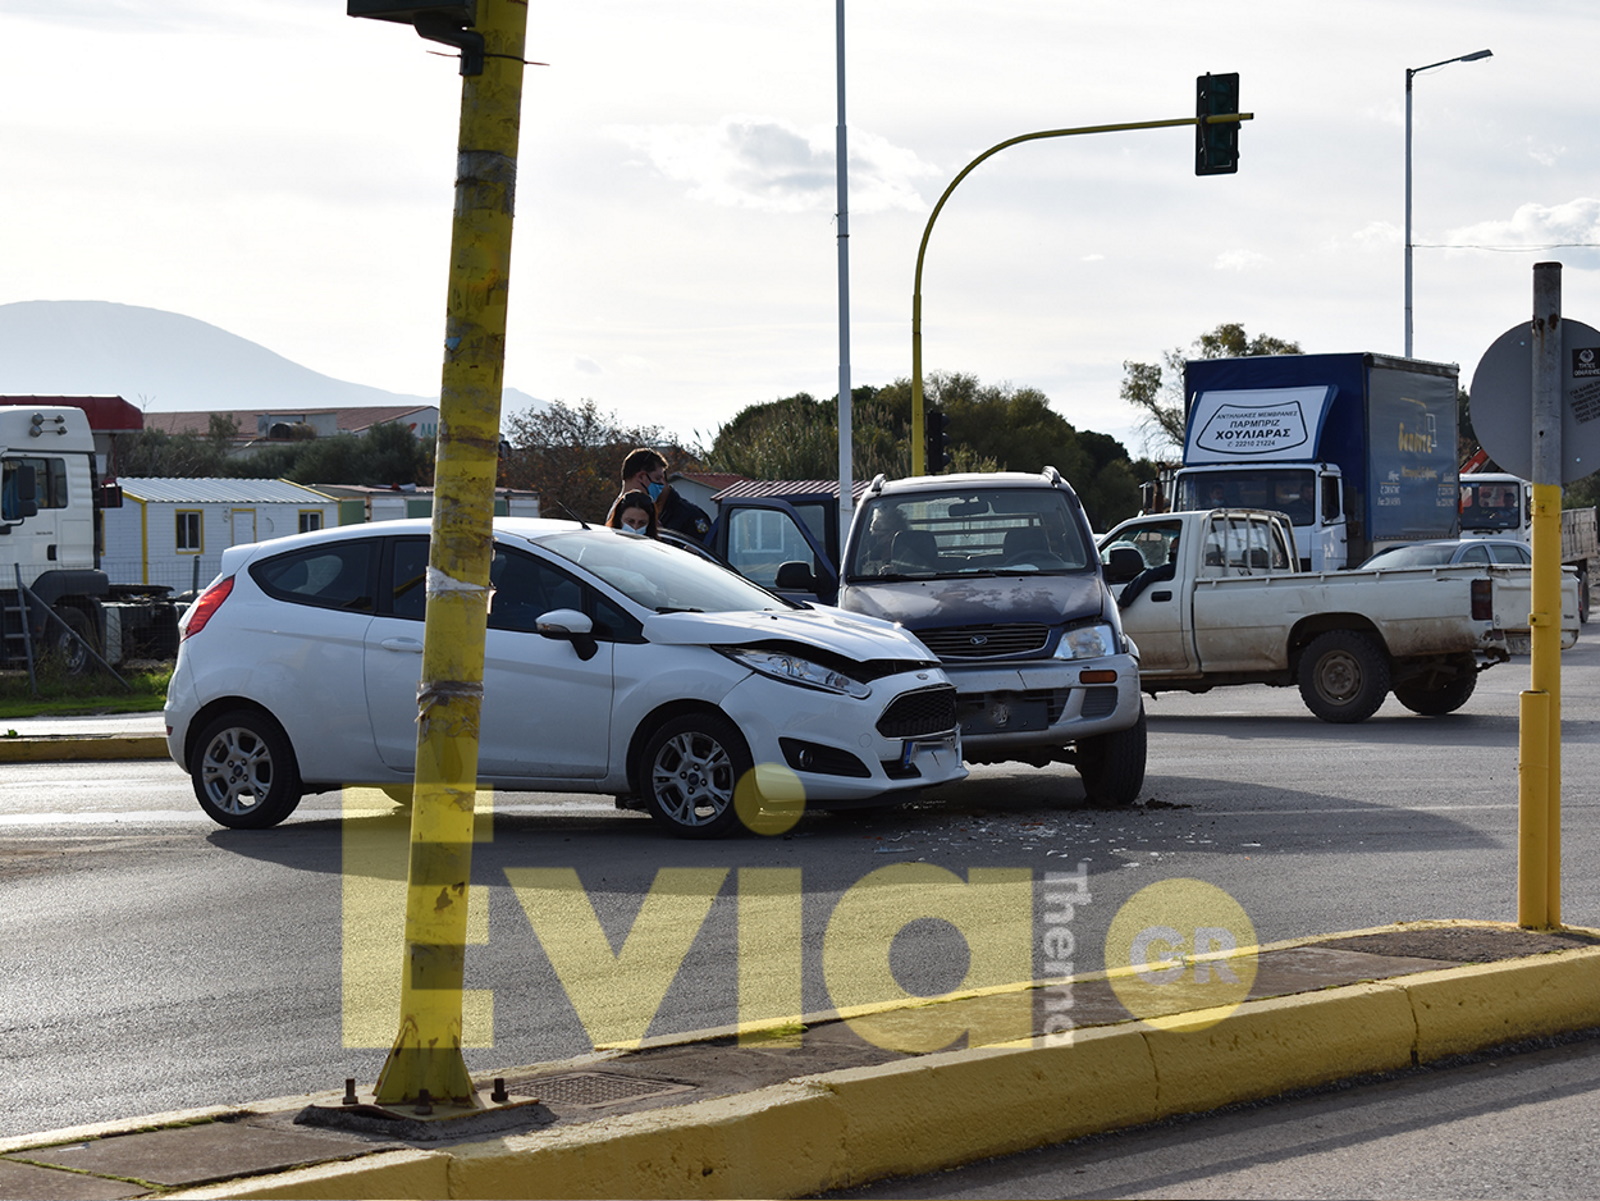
(974, 531)
(1420, 555)
(659, 576)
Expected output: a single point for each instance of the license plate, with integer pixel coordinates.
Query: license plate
(910, 747)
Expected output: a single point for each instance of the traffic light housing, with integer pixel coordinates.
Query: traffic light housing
(938, 441)
(1216, 147)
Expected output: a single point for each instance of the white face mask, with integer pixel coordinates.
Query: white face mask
(636, 531)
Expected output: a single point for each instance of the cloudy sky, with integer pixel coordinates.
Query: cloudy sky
(285, 172)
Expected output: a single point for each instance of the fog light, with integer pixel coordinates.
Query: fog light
(1097, 677)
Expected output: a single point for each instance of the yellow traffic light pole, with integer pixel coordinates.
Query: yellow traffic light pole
(426, 1057)
(919, 450)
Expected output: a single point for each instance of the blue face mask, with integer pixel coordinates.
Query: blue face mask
(656, 490)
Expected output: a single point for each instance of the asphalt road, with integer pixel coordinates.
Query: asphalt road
(151, 961)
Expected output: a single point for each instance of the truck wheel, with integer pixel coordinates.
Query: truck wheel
(1343, 676)
(690, 769)
(1433, 697)
(244, 772)
(68, 651)
(1112, 765)
(1583, 596)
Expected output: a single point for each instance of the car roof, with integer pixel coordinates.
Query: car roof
(530, 528)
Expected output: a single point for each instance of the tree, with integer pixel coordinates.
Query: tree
(572, 456)
(1156, 390)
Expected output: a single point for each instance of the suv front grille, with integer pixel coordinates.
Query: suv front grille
(921, 713)
(986, 641)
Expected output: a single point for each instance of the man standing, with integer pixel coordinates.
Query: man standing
(645, 470)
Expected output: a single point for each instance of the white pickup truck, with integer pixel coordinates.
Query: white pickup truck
(1213, 597)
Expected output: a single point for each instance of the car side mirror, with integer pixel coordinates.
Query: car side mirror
(1123, 564)
(795, 577)
(569, 625)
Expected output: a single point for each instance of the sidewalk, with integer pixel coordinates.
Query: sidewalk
(115, 736)
(704, 1116)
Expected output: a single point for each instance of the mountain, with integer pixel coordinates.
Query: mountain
(95, 348)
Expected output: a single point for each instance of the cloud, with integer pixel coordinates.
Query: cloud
(747, 162)
(1573, 227)
(1380, 235)
(1546, 155)
(1240, 260)
(584, 365)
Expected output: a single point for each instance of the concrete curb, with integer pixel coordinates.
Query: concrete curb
(847, 1127)
(76, 747)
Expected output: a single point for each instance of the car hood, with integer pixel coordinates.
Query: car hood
(856, 637)
(942, 603)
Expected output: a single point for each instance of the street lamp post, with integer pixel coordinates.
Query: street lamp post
(1410, 72)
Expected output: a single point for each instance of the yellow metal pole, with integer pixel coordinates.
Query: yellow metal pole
(1533, 830)
(1545, 676)
(427, 1049)
(919, 447)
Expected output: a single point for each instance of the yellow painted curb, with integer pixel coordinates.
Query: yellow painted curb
(774, 1142)
(399, 1175)
(940, 1110)
(1281, 1043)
(75, 749)
(1464, 1009)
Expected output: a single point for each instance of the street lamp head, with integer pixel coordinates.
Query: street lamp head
(1476, 55)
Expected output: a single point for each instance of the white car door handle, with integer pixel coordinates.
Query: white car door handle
(408, 645)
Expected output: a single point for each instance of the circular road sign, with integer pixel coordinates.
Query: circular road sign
(1502, 401)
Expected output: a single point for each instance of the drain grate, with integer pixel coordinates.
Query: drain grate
(594, 1090)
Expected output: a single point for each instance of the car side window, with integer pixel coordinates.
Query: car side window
(407, 578)
(338, 575)
(1504, 553)
(526, 587)
(1475, 554)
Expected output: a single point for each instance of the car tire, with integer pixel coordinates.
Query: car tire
(1439, 697)
(689, 771)
(244, 771)
(1343, 676)
(1112, 765)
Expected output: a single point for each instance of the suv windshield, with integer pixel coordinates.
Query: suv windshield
(978, 531)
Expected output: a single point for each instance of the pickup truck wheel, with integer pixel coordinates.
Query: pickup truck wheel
(1435, 698)
(1112, 765)
(1343, 676)
(244, 771)
(691, 766)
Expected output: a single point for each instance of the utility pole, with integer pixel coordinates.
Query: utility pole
(425, 1064)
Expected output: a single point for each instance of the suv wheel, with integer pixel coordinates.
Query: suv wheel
(1112, 765)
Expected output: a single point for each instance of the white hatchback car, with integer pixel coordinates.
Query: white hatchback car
(613, 664)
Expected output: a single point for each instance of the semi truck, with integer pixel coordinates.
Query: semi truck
(1359, 450)
(54, 597)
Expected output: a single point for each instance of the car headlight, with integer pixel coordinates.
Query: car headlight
(792, 669)
(1087, 642)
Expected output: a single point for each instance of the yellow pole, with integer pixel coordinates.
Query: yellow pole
(1545, 677)
(919, 446)
(427, 1050)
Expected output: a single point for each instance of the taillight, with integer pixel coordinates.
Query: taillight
(210, 601)
(1482, 600)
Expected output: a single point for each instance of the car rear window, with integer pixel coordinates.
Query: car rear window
(338, 575)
